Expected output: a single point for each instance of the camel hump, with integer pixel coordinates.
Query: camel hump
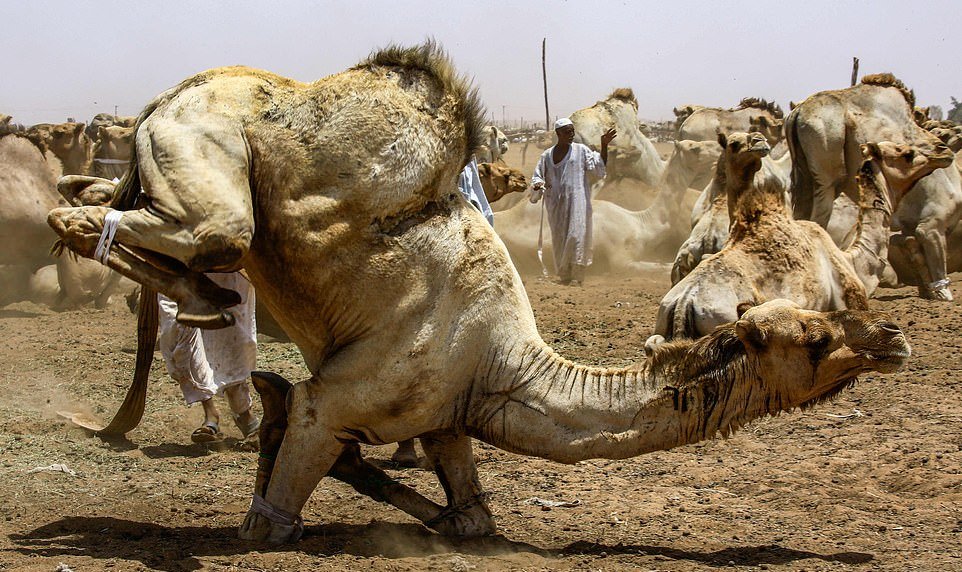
(889, 80)
(625, 94)
(431, 59)
(763, 104)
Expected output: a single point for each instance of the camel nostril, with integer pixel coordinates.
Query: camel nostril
(890, 328)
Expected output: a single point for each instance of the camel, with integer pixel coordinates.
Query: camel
(769, 255)
(704, 123)
(28, 191)
(112, 151)
(498, 180)
(494, 147)
(625, 241)
(824, 132)
(744, 162)
(405, 306)
(681, 114)
(631, 155)
(7, 126)
(107, 120)
(64, 145)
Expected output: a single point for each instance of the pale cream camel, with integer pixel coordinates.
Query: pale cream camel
(632, 155)
(743, 162)
(107, 120)
(625, 241)
(112, 151)
(409, 315)
(704, 123)
(494, 147)
(769, 255)
(824, 133)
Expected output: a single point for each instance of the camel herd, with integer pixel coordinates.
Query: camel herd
(409, 308)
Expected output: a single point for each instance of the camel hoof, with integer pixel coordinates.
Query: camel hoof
(467, 524)
(258, 528)
(408, 460)
(942, 294)
(212, 321)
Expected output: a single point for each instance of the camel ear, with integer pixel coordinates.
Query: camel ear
(723, 140)
(484, 169)
(750, 334)
(870, 150)
(743, 307)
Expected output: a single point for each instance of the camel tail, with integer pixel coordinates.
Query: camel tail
(803, 184)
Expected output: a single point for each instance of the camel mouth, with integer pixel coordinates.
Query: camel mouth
(761, 148)
(887, 361)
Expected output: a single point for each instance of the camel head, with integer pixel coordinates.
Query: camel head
(498, 180)
(810, 355)
(772, 129)
(697, 156)
(743, 151)
(67, 141)
(114, 142)
(904, 165)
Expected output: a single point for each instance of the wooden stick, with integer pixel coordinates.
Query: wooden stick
(854, 71)
(544, 77)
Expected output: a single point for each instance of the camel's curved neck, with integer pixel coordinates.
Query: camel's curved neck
(869, 252)
(534, 402)
(738, 179)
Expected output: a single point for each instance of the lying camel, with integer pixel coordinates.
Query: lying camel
(744, 162)
(625, 242)
(769, 255)
(408, 312)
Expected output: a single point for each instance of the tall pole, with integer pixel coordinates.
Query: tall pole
(544, 77)
(854, 70)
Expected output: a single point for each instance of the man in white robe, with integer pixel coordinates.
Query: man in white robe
(214, 362)
(562, 178)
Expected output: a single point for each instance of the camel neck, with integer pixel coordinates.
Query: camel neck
(869, 252)
(537, 403)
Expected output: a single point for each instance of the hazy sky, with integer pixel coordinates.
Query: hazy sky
(76, 58)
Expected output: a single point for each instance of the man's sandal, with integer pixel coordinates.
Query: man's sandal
(209, 432)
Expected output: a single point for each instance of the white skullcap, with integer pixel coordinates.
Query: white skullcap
(563, 122)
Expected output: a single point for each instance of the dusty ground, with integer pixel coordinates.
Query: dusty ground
(820, 490)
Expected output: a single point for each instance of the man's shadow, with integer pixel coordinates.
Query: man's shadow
(178, 548)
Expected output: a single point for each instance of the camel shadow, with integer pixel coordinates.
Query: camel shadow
(179, 549)
(741, 555)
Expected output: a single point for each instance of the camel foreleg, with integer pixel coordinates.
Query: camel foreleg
(467, 513)
(201, 302)
(932, 243)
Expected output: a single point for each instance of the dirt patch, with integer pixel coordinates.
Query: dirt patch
(872, 481)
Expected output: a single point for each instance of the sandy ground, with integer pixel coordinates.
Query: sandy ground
(872, 481)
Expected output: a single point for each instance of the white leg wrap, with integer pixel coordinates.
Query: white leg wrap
(107, 236)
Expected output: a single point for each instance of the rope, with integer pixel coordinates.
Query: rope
(939, 284)
(111, 221)
(274, 514)
(111, 161)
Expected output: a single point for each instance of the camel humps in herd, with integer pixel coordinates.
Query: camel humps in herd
(624, 241)
(770, 255)
(744, 162)
(752, 114)
(824, 133)
(403, 300)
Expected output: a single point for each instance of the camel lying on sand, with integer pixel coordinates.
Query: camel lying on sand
(744, 162)
(769, 255)
(404, 303)
(624, 241)
(824, 133)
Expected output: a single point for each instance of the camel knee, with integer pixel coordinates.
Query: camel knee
(220, 247)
